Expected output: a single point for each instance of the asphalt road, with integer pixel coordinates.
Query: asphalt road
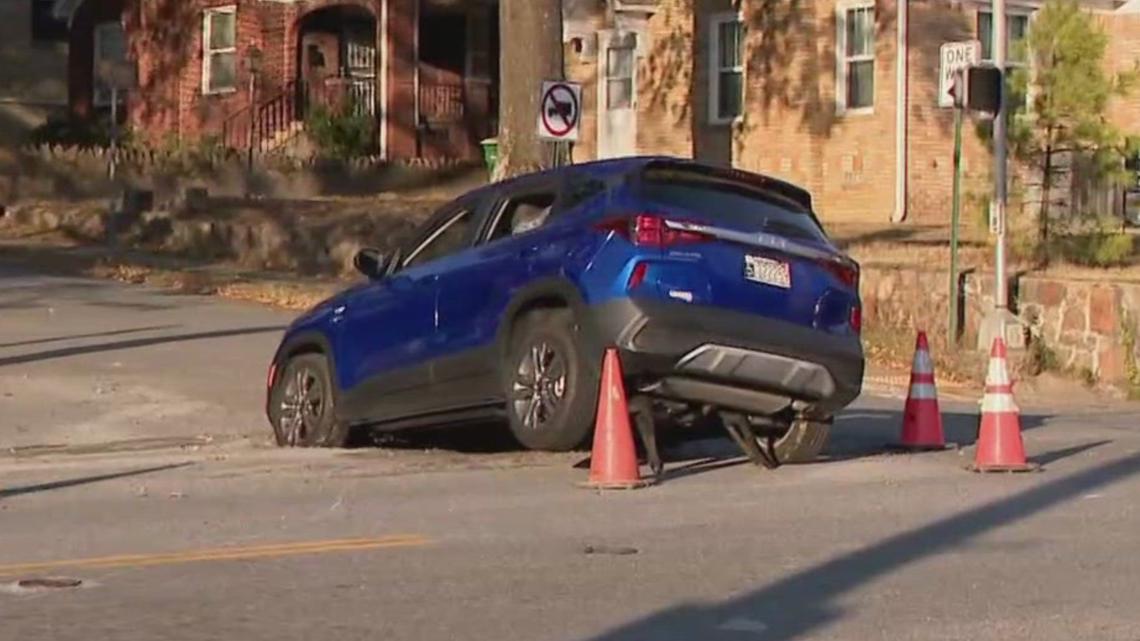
(437, 538)
(86, 362)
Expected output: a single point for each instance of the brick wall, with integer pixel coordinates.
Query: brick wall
(165, 38)
(791, 127)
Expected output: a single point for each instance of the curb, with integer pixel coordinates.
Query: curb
(895, 386)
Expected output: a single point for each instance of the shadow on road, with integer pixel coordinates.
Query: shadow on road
(1064, 453)
(808, 600)
(57, 485)
(75, 337)
(64, 352)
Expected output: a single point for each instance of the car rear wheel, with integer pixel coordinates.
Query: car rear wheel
(551, 383)
(302, 405)
(802, 442)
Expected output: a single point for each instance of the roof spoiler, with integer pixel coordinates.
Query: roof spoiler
(769, 184)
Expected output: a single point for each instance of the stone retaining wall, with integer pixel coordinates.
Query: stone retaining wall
(1084, 327)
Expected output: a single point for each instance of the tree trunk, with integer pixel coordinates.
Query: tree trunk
(531, 51)
(1046, 195)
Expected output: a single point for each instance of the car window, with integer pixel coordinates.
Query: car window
(446, 239)
(733, 203)
(580, 189)
(523, 213)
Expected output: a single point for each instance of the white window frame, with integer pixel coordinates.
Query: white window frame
(207, 52)
(626, 42)
(97, 33)
(1022, 12)
(716, 20)
(842, 60)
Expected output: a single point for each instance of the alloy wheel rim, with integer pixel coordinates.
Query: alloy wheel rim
(539, 385)
(302, 406)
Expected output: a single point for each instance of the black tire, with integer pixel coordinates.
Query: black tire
(803, 442)
(302, 407)
(566, 419)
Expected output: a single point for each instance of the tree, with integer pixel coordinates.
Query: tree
(1070, 92)
(531, 52)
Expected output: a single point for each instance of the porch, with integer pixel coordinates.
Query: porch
(433, 95)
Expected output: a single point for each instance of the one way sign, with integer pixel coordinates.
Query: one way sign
(956, 57)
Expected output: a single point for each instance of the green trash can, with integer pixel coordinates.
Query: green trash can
(490, 154)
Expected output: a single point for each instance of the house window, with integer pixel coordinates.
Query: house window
(46, 27)
(1016, 56)
(1016, 29)
(619, 76)
(855, 47)
(219, 50)
(726, 73)
(110, 51)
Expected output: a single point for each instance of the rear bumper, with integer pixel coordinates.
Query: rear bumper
(729, 359)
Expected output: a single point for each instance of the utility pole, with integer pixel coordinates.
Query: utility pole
(995, 322)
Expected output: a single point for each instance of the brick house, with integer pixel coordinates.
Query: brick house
(812, 91)
(424, 69)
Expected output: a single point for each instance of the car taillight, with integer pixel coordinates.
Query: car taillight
(651, 230)
(857, 318)
(847, 273)
(637, 276)
(271, 377)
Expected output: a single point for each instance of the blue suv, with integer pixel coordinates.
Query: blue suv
(719, 288)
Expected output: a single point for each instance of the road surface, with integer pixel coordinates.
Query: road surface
(136, 462)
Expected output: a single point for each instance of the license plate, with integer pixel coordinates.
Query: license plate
(767, 271)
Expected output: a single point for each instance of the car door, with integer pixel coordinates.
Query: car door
(389, 333)
(474, 296)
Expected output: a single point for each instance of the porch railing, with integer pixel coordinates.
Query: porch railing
(274, 121)
(264, 126)
(442, 102)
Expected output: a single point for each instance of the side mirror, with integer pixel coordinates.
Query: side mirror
(370, 262)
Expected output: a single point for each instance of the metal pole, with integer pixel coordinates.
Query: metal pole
(955, 206)
(114, 131)
(252, 122)
(1001, 293)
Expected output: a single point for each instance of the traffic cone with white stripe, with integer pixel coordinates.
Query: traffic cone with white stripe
(922, 420)
(613, 460)
(1000, 448)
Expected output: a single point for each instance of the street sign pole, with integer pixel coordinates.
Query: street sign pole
(995, 324)
(998, 319)
(1001, 193)
(955, 207)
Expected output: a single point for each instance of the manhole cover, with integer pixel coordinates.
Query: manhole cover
(48, 583)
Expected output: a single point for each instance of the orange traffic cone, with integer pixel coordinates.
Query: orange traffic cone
(613, 463)
(999, 437)
(922, 420)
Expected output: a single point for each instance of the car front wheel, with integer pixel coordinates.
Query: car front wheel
(302, 405)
